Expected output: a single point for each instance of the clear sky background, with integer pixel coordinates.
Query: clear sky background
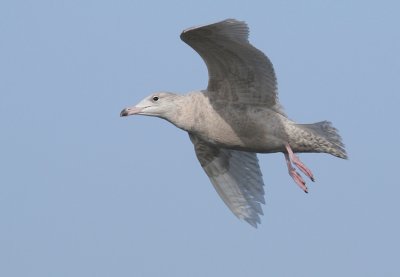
(84, 192)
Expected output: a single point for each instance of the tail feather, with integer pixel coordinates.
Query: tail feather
(327, 137)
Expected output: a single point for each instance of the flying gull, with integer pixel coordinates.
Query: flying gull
(238, 116)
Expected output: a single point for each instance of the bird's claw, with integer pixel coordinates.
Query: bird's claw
(298, 179)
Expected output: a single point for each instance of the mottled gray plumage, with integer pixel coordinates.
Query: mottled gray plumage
(238, 116)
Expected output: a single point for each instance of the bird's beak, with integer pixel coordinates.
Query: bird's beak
(131, 111)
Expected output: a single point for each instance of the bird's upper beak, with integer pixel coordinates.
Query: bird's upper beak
(131, 111)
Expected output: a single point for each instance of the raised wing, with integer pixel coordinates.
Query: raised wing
(236, 177)
(238, 72)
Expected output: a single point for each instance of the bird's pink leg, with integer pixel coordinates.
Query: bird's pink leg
(295, 175)
(296, 161)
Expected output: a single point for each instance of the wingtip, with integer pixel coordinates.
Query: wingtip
(227, 20)
(253, 222)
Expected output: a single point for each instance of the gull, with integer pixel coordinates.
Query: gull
(238, 116)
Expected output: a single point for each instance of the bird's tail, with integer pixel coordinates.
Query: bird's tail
(326, 138)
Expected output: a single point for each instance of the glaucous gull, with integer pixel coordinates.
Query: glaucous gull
(237, 116)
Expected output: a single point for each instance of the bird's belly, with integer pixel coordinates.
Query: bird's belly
(265, 144)
(250, 138)
(241, 127)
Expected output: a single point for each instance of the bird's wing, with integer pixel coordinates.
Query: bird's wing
(236, 177)
(238, 72)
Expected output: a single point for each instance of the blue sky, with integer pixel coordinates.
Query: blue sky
(84, 192)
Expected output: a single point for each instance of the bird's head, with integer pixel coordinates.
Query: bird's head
(159, 104)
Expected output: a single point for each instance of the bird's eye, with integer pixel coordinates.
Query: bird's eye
(155, 98)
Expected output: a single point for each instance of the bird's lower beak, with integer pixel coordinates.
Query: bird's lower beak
(131, 111)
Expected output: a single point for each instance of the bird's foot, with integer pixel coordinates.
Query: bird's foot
(295, 175)
(291, 158)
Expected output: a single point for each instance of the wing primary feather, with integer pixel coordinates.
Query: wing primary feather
(236, 177)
